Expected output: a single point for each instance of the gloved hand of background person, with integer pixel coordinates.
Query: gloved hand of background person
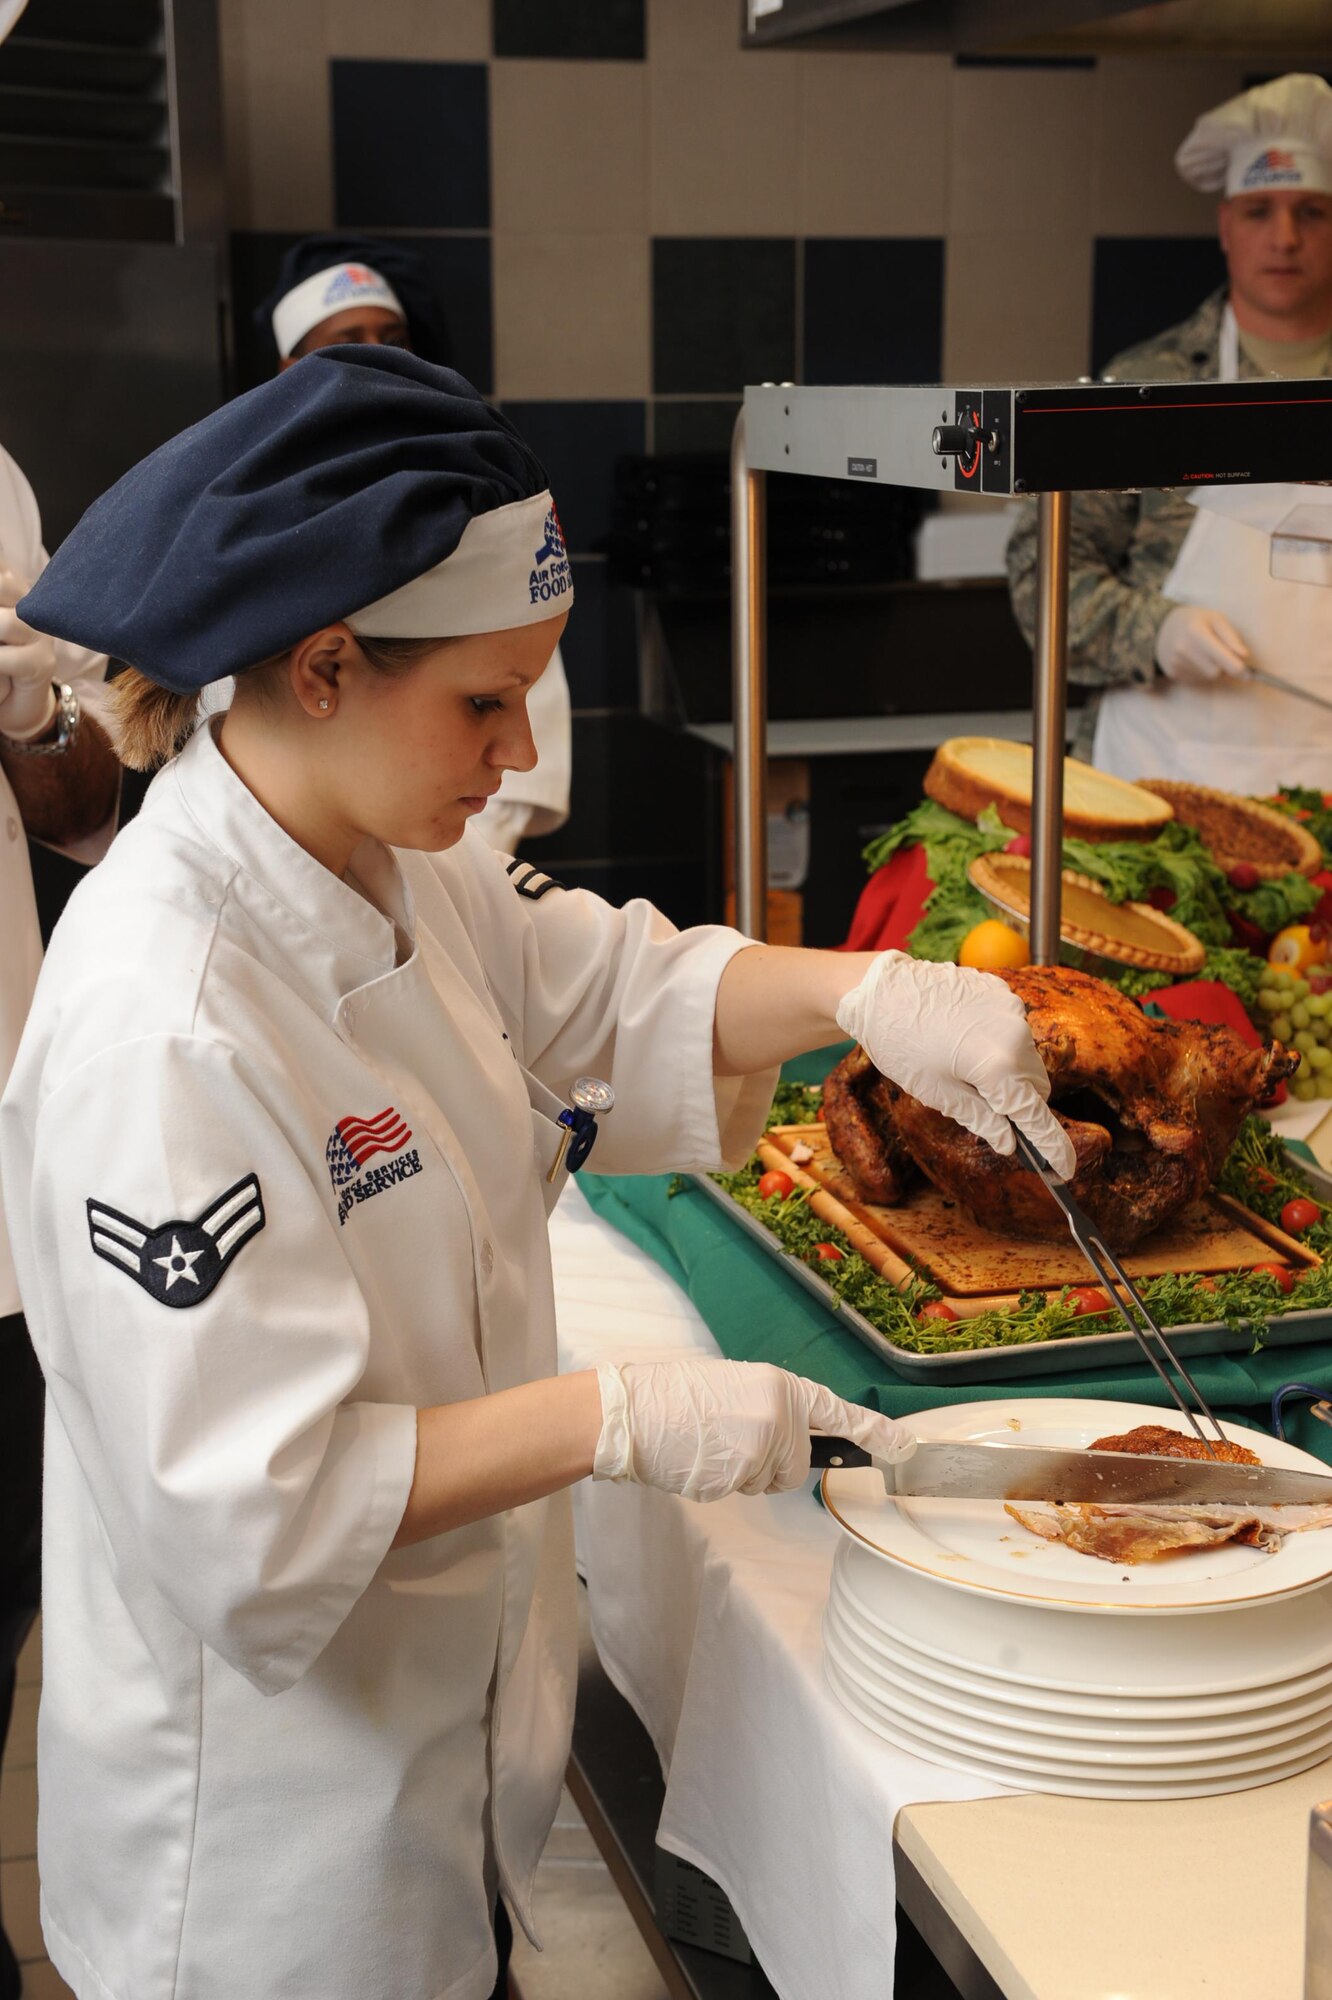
(959, 1041)
(1195, 646)
(27, 667)
(705, 1428)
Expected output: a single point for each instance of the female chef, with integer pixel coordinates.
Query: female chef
(276, 1153)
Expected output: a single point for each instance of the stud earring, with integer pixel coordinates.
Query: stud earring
(323, 704)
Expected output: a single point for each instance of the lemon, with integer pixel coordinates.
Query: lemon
(994, 947)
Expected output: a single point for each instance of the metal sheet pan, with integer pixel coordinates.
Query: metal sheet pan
(1039, 1357)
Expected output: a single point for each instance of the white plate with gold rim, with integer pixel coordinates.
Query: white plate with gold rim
(1239, 1652)
(974, 1546)
(1075, 1786)
(1039, 1754)
(1140, 1743)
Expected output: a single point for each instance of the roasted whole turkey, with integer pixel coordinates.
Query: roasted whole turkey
(1152, 1108)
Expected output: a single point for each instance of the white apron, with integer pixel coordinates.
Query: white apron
(1238, 734)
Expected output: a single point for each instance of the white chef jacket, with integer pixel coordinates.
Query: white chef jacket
(21, 954)
(273, 1184)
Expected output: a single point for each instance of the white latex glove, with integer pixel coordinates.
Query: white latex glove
(959, 1041)
(1195, 646)
(706, 1428)
(27, 666)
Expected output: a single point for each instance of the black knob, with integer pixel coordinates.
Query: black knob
(953, 440)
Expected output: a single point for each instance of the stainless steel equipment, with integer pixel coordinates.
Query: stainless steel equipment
(1047, 439)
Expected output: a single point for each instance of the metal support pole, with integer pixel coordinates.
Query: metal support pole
(1048, 716)
(749, 686)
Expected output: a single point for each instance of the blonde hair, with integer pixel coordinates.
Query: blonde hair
(152, 724)
(149, 723)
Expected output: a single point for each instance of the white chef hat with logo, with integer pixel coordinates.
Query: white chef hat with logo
(317, 298)
(509, 568)
(1276, 136)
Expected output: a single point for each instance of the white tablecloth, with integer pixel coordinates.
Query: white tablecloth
(707, 1619)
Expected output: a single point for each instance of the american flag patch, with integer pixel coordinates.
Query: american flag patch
(353, 1141)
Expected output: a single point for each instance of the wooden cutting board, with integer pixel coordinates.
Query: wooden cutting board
(976, 1269)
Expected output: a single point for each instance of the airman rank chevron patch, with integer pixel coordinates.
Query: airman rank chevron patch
(179, 1263)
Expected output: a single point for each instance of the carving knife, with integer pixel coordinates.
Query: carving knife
(941, 1469)
(1288, 687)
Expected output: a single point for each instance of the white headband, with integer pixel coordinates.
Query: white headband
(510, 568)
(1263, 164)
(328, 292)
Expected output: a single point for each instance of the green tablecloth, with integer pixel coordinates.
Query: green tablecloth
(756, 1311)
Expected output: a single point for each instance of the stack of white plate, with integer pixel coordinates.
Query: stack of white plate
(953, 1632)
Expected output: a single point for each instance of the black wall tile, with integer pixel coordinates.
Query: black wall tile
(461, 270)
(589, 30)
(600, 643)
(723, 313)
(411, 145)
(578, 443)
(678, 427)
(1143, 284)
(873, 309)
(639, 795)
(459, 266)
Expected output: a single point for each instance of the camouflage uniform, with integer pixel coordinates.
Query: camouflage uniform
(1122, 546)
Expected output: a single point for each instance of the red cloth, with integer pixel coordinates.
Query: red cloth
(891, 903)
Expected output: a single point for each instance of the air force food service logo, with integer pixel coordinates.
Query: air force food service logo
(355, 1141)
(179, 1263)
(1274, 168)
(550, 579)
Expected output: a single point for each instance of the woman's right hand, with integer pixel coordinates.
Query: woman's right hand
(705, 1428)
(958, 1040)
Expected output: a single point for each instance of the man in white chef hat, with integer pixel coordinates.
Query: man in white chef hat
(1171, 596)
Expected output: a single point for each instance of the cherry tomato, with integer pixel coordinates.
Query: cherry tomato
(1086, 1299)
(1243, 876)
(1205, 1284)
(1162, 898)
(774, 1184)
(1299, 1215)
(1019, 844)
(1263, 1179)
(936, 1309)
(1284, 1276)
(828, 1253)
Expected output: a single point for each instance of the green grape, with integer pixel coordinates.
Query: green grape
(1317, 1005)
(1323, 1084)
(1321, 1058)
(1306, 1091)
(1300, 989)
(1305, 1070)
(1270, 1000)
(1283, 1027)
(1300, 1014)
(1304, 1041)
(1282, 975)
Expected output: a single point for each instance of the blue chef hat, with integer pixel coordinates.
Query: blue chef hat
(364, 484)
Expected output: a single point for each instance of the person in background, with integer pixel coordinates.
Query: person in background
(1171, 597)
(59, 781)
(339, 290)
